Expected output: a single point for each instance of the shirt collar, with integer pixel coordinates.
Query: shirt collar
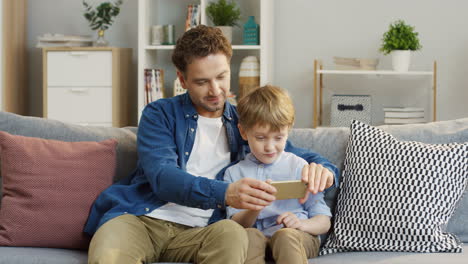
(190, 111)
(252, 158)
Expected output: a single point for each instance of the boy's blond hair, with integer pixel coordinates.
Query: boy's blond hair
(266, 106)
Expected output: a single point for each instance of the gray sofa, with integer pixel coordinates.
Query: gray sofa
(330, 142)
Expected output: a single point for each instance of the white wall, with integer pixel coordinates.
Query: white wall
(310, 29)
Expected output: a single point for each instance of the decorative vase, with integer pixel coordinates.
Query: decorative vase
(227, 32)
(101, 41)
(249, 75)
(251, 30)
(401, 60)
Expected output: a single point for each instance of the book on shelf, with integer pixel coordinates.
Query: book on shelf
(193, 16)
(388, 120)
(154, 85)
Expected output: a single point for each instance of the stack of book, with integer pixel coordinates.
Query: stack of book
(193, 16)
(154, 85)
(60, 40)
(404, 115)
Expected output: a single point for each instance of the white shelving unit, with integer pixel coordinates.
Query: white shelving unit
(154, 12)
(318, 85)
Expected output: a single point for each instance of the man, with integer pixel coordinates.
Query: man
(171, 208)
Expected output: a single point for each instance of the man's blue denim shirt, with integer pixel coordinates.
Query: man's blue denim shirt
(165, 138)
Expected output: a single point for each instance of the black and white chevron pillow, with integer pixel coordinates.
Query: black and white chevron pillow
(397, 195)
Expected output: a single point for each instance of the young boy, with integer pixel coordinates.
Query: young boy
(286, 227)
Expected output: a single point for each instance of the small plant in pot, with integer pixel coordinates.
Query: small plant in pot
(224, 15)
(400, 40)
(101, 18)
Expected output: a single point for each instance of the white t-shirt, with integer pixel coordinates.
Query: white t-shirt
(210, 154)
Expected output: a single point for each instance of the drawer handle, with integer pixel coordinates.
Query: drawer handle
(78, 53)
(79, 90)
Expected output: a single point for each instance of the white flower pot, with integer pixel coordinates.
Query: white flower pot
(227, 32)
(401, 60)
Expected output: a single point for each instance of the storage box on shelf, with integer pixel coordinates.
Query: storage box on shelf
(163, 12)
(87, 86)
(319, 72)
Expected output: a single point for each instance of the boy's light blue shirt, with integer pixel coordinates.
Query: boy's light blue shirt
(287, 167)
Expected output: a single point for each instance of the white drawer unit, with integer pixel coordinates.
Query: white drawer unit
(88, 86)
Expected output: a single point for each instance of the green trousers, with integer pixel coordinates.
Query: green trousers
(130, 239)
(287, 245)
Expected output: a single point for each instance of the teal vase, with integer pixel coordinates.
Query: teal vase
(251, 32)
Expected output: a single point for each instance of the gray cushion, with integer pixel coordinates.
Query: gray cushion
(51, 129)
(19, 255)
(392, 257)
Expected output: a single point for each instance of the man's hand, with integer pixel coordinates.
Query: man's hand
(317, 178)
(290, 220)
(251, 194)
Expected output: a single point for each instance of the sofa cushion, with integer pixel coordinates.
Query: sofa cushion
(28, 255)
(397, 195)
(49, 187)
(392, 258)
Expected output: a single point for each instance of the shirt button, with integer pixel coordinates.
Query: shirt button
(186, 153)
(230, 118)
(192, 129)
(261, 165)
(186, 115)
(219, 206)
(147, 209)
(195, 116)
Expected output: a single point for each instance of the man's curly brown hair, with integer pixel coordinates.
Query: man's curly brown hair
(199, 42)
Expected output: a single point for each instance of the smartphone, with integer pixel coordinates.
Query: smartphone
(289, 189)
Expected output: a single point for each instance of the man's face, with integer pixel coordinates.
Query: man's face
(266, 145)
(208, 81)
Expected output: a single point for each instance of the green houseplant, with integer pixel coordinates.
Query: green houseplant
(101, 17)
(224, 14)
(400, 40)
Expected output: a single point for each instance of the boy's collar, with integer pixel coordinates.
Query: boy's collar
(252, 158)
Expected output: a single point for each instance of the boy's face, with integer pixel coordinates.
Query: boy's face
(266, 145)
(207, 81)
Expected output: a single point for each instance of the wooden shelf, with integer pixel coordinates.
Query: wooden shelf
(379, 72)
(318, 85)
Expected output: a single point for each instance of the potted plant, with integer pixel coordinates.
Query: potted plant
(224, 15)
(400, 40)
(101, 18)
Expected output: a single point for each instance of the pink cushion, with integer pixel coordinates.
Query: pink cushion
(49, 187)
